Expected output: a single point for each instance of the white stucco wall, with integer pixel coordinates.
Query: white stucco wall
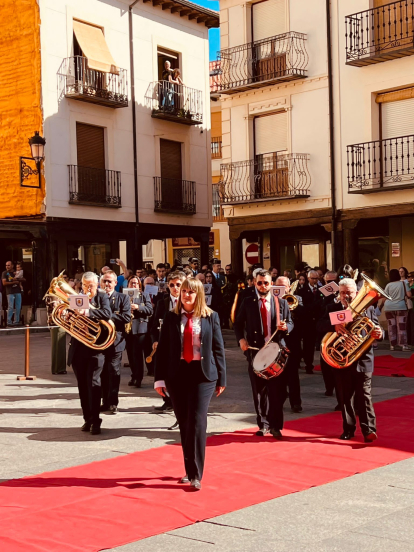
(152, 27)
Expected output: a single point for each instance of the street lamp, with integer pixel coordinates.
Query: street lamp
(37, 147)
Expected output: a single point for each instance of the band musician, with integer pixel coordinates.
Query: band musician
(121, 314)
(168, 303)
(255, 323)
(88, 363)
(312, 303)
(353, 384)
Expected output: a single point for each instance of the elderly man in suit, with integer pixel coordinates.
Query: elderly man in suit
(88, 363)
(353, 384)
(256, 321)
(121, 314)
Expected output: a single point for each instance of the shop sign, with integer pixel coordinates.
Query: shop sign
(395, 250)
(189, 242)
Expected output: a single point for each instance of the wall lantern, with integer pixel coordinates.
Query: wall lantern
(37, 147)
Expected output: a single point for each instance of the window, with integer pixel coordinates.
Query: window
(271, 133)
(164, 55)
(268, 19)
(171, 171)
(90, 43)
(90, 146)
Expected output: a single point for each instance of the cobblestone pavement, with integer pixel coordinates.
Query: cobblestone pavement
(39, 431)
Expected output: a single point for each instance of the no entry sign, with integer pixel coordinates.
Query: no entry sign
(252, 253)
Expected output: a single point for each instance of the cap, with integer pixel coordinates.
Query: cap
(193, 260)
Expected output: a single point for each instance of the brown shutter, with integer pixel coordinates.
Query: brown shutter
(171, 159)
(90, 146)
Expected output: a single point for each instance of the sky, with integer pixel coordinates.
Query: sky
(214, 34)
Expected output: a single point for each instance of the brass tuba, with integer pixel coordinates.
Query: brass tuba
(340, 351)
(97, 335)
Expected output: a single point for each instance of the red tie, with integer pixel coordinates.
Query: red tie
(188, 339)
(263, 313)
(315, 289)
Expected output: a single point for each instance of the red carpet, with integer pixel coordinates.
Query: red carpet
(388, 365)
(113, 502)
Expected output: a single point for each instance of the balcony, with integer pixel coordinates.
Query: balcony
(267, 177)
(216, 148)
(269, 61)
(381, 166)
(174, 196)
(380, 34)
(97, 187)
(218, 215)
(175, 102)
(78, 82)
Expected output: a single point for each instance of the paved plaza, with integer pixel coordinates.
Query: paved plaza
(39, 431)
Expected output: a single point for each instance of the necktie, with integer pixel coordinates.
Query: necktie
(188, 339)
(263, 313)
(315, 289)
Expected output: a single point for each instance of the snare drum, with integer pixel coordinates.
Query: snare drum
(270, 361)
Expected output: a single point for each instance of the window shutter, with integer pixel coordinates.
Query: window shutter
(171, 159)
(271, 133)
(269, 19)
(397, 118)
(90, 146)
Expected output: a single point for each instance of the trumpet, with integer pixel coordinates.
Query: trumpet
(149, 358)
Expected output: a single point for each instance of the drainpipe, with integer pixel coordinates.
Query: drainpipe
(137, 248)
(331, 133)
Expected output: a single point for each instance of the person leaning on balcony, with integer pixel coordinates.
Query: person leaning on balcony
(396, 310)
(167, 88)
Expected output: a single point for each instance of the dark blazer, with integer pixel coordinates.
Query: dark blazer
(249, 321)
(312, 303)
(121, 314)
(213, 362)
(161, 308)
(366, 361)
(101, 312)
(221, 280)
(247, 292)
(141, 316)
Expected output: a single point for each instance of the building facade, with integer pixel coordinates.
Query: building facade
(127, 155)
(317, 109)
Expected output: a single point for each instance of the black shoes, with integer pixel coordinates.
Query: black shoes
(95, 429)
(104, 408)
(174, 426)
(370, 437)
(113, 409)
(347, 435)
(276, 433)
(262, 432)
(185, 479)
(329, 393)
(296, 408)
(195, 485)
(164, 408)
(86, 426)
(132, 382)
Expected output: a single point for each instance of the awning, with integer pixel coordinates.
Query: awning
(94, 47)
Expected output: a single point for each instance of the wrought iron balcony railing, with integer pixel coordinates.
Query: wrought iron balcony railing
(77, 81)
(380, 34)
(380, 166)
(268, 176)
(216, 148)
(218, 215)
(97, 187)
(268, 61)
(174, 196)
(175, 102)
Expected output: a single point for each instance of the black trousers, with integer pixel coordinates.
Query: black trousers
(111, 378)
(309, 341)
(328, 375)
(191, 394)
(269, 397)
(136, 346)
(292, 369)
(355, 387)
(88, 374)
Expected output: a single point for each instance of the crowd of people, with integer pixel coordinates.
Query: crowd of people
(170, 321)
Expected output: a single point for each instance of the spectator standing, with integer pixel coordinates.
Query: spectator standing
(216, 297)
(403, 273)
(396, 311)
(14, 294)
(410, 319)
(220, 278)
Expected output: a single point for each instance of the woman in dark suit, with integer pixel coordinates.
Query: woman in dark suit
(191, 364)
(136, 339)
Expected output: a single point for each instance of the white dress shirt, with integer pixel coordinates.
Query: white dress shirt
(196, 341)
(267, 299)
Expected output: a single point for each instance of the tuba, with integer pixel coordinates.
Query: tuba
(292, 301)
(96, 335)
(340, 351)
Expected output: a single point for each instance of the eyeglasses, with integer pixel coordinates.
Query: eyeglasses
(107, 281)
(262, 283)
(175, 285)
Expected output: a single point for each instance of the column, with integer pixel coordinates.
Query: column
(204, 248)
(237, 255)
